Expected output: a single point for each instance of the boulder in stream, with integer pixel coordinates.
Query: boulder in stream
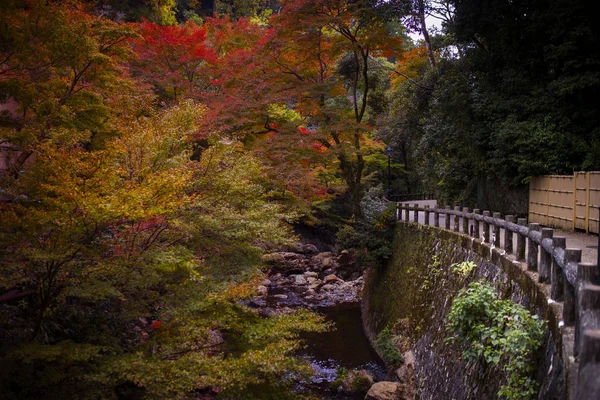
(262, 290)
(385, 391)
(354, 381)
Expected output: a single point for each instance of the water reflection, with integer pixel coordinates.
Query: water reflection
(345, 347)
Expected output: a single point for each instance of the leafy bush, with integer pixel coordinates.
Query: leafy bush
(386, 344)
(464, 268)
(372, 236)
(502, 332)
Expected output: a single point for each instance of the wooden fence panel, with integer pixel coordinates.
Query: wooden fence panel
(551, 201)
(538, 199)
(581, 200)
(594, 202)
(566, 202)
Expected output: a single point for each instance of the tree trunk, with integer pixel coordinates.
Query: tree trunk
(426, 34)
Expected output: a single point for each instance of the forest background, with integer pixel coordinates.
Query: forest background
(155, 149)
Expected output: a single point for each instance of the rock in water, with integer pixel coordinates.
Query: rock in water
(262, 290)
(299, 279)
(385, 391)
(309, 249)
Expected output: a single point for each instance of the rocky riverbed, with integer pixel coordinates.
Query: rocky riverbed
(306, 278)
(332, 285)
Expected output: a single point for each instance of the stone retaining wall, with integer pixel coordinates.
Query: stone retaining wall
(417, 288)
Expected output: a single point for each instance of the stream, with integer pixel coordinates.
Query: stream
(310, 279)
(345, 347)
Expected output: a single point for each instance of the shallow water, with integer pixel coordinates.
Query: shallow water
(344, 347)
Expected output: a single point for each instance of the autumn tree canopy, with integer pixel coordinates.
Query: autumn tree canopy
(152, 151)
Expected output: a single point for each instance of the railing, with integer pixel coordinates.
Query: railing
(571, 281)
(410, 196)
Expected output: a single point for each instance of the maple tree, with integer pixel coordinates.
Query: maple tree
(174, 59)
(320, 60)
(146, 242)
(59, 64)
(121, 256)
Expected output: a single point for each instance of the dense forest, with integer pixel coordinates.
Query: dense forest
(151, 151)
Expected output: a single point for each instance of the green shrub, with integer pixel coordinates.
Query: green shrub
(499, 331)
(386, 344)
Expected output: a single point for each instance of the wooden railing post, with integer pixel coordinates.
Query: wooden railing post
(569, 308)
(476, 223)
(521, 241)
(465, 221)
(416, 213)
(486, 228)
(557, 275)
(436, 217)
(496, 240)
(456, 217)
(532, 254)
(508, 235)
(426, 221)
(407, 213)
(545, 257)
(447, 219)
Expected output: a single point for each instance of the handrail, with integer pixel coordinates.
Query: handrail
(572, 282)
(410, 196)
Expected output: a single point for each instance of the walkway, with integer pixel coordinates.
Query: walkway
(577, 240)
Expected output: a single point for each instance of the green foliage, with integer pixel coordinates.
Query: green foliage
(242, 8)
(499, 331)
(500, 107)
(351, 381)
(370, 242)
(127, 256)
(463, 268)
(371, 236)
(386, 344)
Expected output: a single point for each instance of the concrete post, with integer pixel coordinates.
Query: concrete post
(557, 275)
(456, 217)
(496, 228)
(465, 221)
(416, 213)
(532, 254)
(588, 299)
(521, 241)
(589, 365)
(486, 228)
(476, 224)
(447, 219)
(569, 309)
(436, 217)
(508, 235)
(426, 215)
(545, 258)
